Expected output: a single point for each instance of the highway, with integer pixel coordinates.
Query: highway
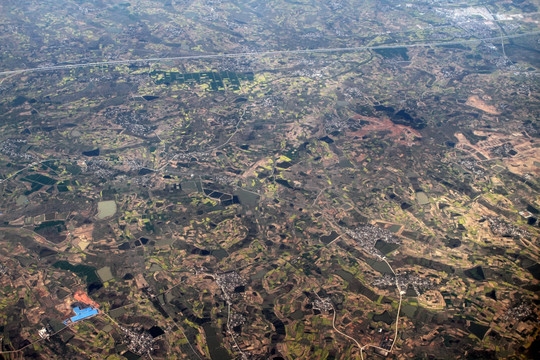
(261, 53)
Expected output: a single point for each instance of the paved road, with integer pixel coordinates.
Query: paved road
(262, 53)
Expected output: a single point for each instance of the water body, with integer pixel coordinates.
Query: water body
(478, 329)
(385, 317)
(52, 230)
(106, 209)
(422, 198)
(284, 183)
(91, 153)
(380, 266)
(217, 352)
(327, 239)
(476, 273)
(356, 286)
(156, 331)
(270, 316)
(404, 118)
(452, 243)
(385, 248)
(220, 254)
(145, 171)
(88, 273)
(105, 274)
(247, 197)
(297, 315)
(408, 310)
(327, 139)
(430, 264)
(394, 53)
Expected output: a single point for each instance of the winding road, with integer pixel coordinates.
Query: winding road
(400, 292)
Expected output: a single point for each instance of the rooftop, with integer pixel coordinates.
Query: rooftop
(81, 314)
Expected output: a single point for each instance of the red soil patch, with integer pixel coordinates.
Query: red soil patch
(84, 298)
(404, 134)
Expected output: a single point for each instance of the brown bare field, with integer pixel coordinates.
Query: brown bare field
(475, 102)
(83, 297)
(404, 134)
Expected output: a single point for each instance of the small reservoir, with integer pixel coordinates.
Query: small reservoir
(106, 209)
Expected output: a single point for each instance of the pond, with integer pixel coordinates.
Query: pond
(105, 274)
(220, 254)
(327, 239)
(385, 248)
(156, 331)
(476, 273)
(106, 209)
(385, 317)
(409, 310)
(422, 198)
(279, 326)
(217, 352)
(284, 183)
(535, 271)
(379, 266)
(404, 118)
(327, 139)
(356, 286)
(394, 53)
(297, 315)
(91, 153)
(52, 230)
(88, 273)
(247, 198)
(478, 329)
